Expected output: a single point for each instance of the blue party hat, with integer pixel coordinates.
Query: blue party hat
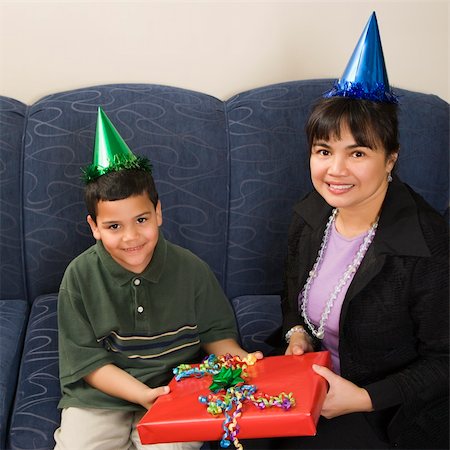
(365, 76)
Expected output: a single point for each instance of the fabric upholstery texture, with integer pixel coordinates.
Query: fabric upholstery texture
(13, 321)
(269, 171)
(228, 174)
(424, 146)
(258, 316)
(182, 133)
(12, 125)
(35, 410)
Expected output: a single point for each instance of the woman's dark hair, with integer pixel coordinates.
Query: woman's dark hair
(371, 123)
(118, 186)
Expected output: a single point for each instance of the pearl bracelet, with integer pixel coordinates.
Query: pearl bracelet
(296, 329)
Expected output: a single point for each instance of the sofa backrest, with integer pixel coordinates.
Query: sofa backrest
(182, 133)
(228, 174)
(269, 170)
(269, 173)
(12, 126)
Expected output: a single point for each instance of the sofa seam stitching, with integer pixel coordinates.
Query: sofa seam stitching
(22, 207)
(228, 201)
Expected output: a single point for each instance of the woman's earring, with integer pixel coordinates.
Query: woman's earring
(389, 178)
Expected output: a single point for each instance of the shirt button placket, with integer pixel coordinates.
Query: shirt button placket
(140, 308)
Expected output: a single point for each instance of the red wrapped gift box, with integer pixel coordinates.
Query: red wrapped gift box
(180, 417)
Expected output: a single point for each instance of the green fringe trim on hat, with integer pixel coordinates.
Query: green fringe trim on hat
(92, 172)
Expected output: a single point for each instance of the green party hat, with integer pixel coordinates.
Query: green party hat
(111, 153)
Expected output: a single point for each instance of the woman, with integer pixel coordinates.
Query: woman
(367, 279)
(367, 274)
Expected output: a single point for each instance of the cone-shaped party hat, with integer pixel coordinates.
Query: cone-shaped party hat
(365, 76)
(111, 153)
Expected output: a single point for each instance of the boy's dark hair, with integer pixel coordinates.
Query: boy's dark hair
(371, 123)
(118, 186)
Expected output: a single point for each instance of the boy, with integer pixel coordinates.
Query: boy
(130, 308)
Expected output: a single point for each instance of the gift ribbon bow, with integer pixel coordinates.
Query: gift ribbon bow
(228, 376)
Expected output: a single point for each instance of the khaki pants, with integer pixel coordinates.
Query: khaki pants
(105, 429)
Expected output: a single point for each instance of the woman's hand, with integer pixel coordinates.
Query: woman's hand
(343, 396)
(299, 344)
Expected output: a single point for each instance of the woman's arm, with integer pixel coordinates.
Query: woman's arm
(343, 397)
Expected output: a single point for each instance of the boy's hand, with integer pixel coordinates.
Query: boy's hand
(230, 346)
(150, 395)
(255, 356)
(114, 381)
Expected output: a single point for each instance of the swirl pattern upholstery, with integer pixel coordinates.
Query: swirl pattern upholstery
(14, 308)
(12, 125)
(258, 316)
(13, 317)
(270, 171)
(228, 174)
(182, 133)
(38, 393)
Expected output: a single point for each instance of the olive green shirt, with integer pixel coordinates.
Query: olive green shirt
(146, 323)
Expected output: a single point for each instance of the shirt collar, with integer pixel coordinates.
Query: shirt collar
(399, 231)
(152, 272)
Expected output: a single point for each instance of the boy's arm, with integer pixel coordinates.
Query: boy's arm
(116, 382)
(230, 346)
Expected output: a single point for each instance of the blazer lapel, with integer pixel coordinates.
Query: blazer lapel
(399, 233)
(370, 266)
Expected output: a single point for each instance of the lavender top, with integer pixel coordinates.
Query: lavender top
(339, 254)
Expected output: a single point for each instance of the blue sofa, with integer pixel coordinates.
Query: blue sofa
(228, 173)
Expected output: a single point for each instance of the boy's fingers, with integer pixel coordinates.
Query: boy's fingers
(259, 355)
(251, 358)
(162, 390)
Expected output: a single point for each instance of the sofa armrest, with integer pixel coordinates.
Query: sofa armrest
(13, 320)
(35, 415)
(258, 317)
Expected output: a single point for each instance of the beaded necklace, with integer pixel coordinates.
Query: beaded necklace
(351, 269)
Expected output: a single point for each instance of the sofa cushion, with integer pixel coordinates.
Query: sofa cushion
(269, 171)
(258, 317)
(183, 134)
(424, 146)
(269, 174)
(12, 125)
(35, 415)
(13, 320)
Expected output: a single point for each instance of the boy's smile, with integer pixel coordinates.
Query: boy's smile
(128, 229)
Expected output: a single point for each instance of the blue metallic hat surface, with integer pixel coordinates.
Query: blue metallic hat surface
(365, 76)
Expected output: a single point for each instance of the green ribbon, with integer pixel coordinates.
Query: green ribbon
(226, 378)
